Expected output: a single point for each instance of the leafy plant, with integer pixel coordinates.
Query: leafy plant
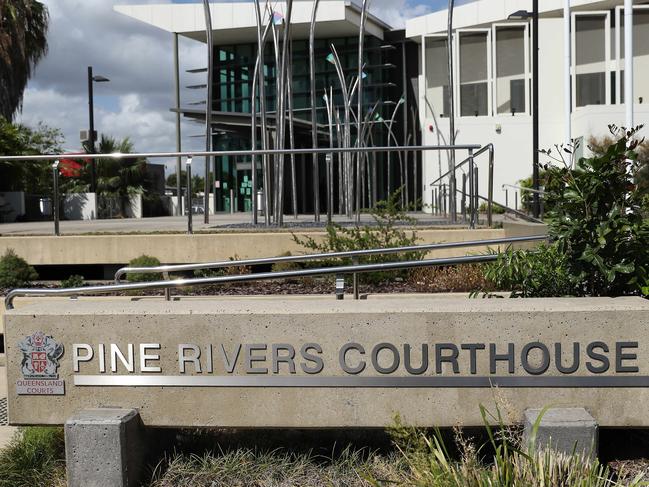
(513, 464)
(385, 232)
(538, 273)
(143, 261)
(33, 177)
(74, 280)
(35, 456)
(597, 220)
(15, 271)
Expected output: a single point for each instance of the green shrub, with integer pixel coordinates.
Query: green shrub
(542, 272)
(384, 233)
(597, 219)
(73, 281)
(286, 266)
(513, 464)
(495, 209)
(144, 261)
(34, 457)
(15, 271)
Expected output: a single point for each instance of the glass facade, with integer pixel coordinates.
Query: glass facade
(233, 90)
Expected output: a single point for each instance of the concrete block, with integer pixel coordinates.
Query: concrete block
(104, 448)
(563, 429)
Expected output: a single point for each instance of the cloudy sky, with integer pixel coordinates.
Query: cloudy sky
(138, 59)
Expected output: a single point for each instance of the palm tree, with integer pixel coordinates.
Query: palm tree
(120, 178)
(117, 179)
(23, 43)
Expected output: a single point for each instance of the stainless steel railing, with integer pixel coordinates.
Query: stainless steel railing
(338, 271)
(352, 254)
(178, 283)
(234, 153)
(473, 184)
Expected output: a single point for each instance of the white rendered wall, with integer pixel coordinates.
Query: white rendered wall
(512, 135)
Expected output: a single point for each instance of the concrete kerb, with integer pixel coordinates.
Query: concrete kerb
(565, 430)
(104, 447)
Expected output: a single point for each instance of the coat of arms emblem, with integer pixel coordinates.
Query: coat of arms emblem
(41, 356)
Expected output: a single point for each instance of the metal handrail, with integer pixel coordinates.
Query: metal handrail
(234, 153)
(489, 147)
(230, 153)
(339, 270)
(333, 255)
(524, 189)
(474, 216)
(519, 213)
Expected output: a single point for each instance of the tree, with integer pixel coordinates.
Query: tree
(23, 43)
(116, 178)
(198, 182)
(16, 139)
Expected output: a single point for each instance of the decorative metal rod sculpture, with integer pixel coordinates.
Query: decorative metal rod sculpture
(261, 40)
(361, 41)
(451, 162)
(390, 138)
(261, 92)
(314, 121)
(291, 128)
(208, 107)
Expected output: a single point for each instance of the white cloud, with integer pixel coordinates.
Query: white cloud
(396, 12)
(136, 58)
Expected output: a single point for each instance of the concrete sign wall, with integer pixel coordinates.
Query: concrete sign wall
(316, 362)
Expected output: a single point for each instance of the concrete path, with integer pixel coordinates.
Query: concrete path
(218, 223)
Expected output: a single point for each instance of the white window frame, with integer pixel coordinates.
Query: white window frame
(458, 84)
(425, 71)
(619, 40)
(494, 56)
(607, 53)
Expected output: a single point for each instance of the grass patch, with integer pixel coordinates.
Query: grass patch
(251, 468)
(35, 457)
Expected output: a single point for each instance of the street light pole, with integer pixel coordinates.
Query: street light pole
(91, 134)
(91, 121)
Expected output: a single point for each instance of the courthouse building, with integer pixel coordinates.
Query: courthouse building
(492, 93)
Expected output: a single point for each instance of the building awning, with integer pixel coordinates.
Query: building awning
(240, 123)
(235, 22)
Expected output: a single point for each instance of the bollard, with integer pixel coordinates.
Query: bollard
(340, 287)
(463, 197)
(190, 229)
(472, 208)
(356, 294)
(476, 197)
(55, 202)
(565, 430)
(104, 447)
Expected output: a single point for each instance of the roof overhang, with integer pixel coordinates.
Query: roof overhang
(485, 12)
(237, 22)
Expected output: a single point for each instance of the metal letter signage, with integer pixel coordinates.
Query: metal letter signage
(39, 366)
(314, 363)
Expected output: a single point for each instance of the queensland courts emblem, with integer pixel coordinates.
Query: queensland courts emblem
(40, 365)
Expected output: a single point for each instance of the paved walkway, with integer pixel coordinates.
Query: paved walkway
(173, 224)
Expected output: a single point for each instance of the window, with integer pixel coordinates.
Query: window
(437, 97)
(510, 69)
(592, 51)
(640, 53)
(474, 74)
